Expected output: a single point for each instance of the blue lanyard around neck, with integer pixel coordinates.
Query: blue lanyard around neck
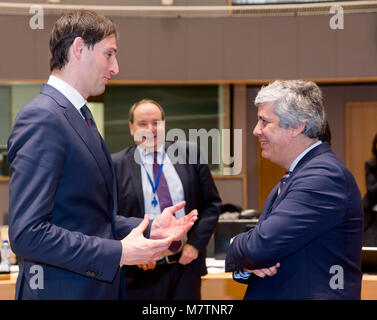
(154, 185)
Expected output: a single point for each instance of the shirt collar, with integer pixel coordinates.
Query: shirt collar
(149, 155)
(302, 154)
(68, 91)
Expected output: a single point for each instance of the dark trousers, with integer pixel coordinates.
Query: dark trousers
(165, 282)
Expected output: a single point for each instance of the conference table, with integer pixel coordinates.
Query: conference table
(221, 286)
(215, 286)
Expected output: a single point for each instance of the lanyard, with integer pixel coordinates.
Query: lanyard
(154, 185)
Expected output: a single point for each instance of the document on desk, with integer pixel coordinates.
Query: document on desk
(215, 266)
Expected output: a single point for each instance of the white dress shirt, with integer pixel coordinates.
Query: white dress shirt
(302, 154)
(174, 182)
(68, 91)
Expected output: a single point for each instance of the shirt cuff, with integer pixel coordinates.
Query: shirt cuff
(241, 275)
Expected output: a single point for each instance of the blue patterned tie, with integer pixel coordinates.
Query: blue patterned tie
(283, 181)
(164, 197)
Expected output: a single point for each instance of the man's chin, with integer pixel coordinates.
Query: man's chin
(100, 90)
(265, 154)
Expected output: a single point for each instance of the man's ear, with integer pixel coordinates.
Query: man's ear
(77, 47)
(131, 126)
(298, 130)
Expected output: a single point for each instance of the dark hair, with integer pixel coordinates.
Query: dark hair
(89, 25)
(135, 105)
(326, 134)
(374, 150)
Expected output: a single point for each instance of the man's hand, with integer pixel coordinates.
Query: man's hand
(189, 253)
(136, 249)
(149, 266)
(261, 273)
(166, 225)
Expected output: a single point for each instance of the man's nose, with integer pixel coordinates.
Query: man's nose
(257, 130)
(150, 126)
(115, 67)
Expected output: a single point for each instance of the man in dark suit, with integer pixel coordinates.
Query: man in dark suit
(307, 243)
(63, 221)
(370, 198)
(177, 275)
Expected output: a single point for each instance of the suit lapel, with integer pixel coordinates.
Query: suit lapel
(322, 148)
(85, 133)
(135, 167)
(110, 180)
(181, 169)
(92, 144)
(273, 200)
(270, 203)
(182, 173)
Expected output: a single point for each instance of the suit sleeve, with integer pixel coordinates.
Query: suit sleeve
(314, 204)
(208, 207)
(37, 151)
(124, 223)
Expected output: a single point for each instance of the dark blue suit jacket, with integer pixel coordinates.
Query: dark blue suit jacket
(313, 225)
(62, 210)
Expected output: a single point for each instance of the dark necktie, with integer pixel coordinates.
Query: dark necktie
(283, 181)
(164, 197)
(90, 121)
(93, 128)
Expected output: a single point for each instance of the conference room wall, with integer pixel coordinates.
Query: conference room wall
(212, 49)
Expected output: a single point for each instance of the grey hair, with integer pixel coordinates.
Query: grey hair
(296, 102)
